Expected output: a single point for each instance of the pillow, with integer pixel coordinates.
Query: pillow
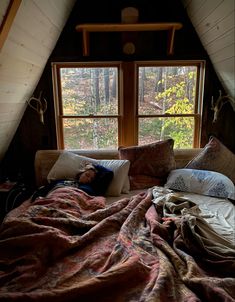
(120, 180)
(149, 164)
(215, 157)
(201, 182)
(68, 164)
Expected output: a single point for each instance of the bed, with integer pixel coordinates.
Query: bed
(155, 242)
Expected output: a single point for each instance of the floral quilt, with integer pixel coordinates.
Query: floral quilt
(69, 246)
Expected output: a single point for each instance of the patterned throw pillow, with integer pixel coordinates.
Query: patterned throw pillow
(215, 157)
(149, 164)
(201, 182)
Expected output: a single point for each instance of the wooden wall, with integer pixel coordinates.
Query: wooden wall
(31, 135)
(32, 37)
(213, 20)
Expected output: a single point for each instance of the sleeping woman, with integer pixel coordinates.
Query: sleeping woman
(93, 179)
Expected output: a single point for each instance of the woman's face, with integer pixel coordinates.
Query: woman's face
(87, 177)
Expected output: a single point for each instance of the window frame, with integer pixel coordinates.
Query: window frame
(128, 115)
(58, 104)
(199, 91)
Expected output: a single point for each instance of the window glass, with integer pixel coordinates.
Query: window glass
(169, 94)
(167, 89)
(88, 91)
(103, 105)
(90, 133)
(178, 128)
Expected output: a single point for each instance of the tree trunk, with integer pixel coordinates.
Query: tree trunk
(106, 85)
(141, 86)
(114, 88)
(164, 106)
(96, 87)
(158, 86)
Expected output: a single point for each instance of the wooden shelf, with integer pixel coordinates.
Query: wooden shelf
(87, 28)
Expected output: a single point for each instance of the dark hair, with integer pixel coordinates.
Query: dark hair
(86, 168)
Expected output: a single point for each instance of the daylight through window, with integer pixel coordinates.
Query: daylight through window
(167, 104)
(105, 105)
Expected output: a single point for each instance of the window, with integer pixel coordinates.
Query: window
(87, 107)
(168, 104)
(105, 105)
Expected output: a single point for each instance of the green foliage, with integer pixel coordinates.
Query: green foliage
(180, 128)
(176, 97)
(165, 91)
(89, 133)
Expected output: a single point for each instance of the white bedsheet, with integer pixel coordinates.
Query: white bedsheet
(218, 212)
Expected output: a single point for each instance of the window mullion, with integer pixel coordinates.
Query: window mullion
(129, 121)
(167, 115)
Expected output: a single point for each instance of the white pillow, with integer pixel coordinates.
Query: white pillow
(127, 186)
(68, 164)
(120, 182)
(201, 182)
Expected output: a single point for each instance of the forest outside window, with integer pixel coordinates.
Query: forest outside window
(87, 106)
(169, 103)
(105, 105)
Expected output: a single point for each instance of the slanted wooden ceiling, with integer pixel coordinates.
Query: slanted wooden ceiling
(214, 22)
(37, 27)
(30, 41)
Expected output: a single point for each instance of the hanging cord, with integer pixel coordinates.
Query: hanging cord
(10, 201)
(38, 104)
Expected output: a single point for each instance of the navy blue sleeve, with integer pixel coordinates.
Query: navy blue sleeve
(87, 188)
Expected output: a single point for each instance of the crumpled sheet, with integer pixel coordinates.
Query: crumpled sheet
(70, 247)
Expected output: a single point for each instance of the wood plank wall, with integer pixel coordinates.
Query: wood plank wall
(213, 20)
(31, 135)
(3, 8)
(32, 37)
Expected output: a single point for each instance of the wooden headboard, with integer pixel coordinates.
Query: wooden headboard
(45, 159)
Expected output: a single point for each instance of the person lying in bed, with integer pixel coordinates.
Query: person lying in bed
(93, 179)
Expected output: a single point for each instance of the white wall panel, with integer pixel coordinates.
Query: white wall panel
(213, 21)
(31, 39)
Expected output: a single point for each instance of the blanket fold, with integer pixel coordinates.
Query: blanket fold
(69, 246)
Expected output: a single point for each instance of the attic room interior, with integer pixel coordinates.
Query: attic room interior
(26, 67)
(144, 91)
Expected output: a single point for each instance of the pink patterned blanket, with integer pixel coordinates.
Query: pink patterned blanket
(70, 247)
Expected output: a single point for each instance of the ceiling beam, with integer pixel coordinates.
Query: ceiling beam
(8, 20)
